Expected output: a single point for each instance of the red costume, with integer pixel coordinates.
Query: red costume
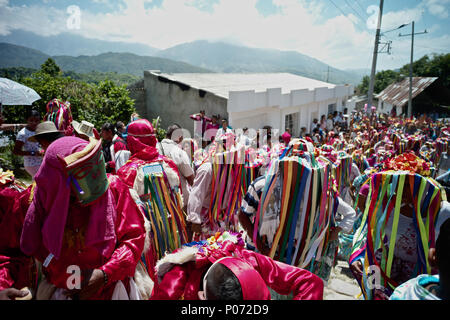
(106, 234)
(180, 274)
(16, 269)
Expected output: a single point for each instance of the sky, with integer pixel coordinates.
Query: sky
(340, 33)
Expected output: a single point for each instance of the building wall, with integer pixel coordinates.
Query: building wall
(175, 102)
(250, 108)
(137, 93)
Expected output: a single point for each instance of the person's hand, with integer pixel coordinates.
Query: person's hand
(334, 235)
(12, 294)
(262, 247)
(95, 283)
(357, 267)
(196, 228)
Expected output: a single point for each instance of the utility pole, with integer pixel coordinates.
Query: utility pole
(409, 112)
(374, 60)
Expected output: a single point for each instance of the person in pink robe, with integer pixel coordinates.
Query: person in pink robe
(104, 238)
(16, 269)
(181, 275)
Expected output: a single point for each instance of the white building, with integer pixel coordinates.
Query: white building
(280, 100)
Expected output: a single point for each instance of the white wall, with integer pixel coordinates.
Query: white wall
(257, 109)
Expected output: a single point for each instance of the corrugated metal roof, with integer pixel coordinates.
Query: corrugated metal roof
(397, 94)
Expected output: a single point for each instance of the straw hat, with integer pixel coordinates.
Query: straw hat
(43, 128)
(84, 128)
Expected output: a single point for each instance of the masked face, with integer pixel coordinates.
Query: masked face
(88, 177)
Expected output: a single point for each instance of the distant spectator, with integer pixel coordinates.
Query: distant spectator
(314, 124)
(135, 116)
(46, 133)
(170, 147)
(211, 129)
(330, 123)
(31, 151)
(223, 130)
(113, 146)
(286, 136)
(323, 122)
(303, 132)
(120, 127)
(200, 121)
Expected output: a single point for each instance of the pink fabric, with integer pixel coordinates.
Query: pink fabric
(141, 142)
(140, 135)
(286, 137)
(252, 284)
(364, 190)
(121, 263)
(45, 220)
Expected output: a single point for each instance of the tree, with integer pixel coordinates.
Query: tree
(51, 68)
(436, 66)
(91, 102)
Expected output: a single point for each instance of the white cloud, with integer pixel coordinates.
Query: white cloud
(45, 21)
(338, 41)
(438, 8)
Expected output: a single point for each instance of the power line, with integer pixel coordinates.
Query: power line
(365, 12)
(362, 19)
(341, 11)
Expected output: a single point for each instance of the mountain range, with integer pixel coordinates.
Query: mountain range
(122, 63)
(229, 58)
(69, 44)
(82, 55)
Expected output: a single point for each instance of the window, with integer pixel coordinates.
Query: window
(332, 108)
(291, 122)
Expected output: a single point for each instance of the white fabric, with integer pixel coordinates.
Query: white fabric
(348, 214)
(200, 196)
(120, 293)
(221, 132)
(330, 124)
(414, 289)
(171, 150)
(139, 186)
(121, 157)
(29, 161)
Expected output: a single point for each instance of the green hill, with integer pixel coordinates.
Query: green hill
(18, 56)
(121, 63)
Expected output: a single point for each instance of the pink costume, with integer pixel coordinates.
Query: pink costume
(141, 142)
(200, 124)
(107, 234)
(16, 269)
(180, 274)
(211, 131)
(286, 137)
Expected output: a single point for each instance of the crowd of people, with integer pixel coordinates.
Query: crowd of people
(226, 215)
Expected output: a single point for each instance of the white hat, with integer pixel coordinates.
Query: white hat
(84, 128)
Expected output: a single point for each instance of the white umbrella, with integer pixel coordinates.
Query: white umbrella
(13, 93)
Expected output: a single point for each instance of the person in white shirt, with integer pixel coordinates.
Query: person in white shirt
(223, 130)
(330, 124)
(170, 148)
(31, 151)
